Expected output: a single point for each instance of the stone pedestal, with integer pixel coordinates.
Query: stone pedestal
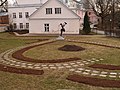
(60, 38)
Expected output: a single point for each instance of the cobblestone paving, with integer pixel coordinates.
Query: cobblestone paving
(79, 67)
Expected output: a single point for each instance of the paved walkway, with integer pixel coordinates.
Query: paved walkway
(79, 67)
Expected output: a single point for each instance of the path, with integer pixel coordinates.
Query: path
(79, 67)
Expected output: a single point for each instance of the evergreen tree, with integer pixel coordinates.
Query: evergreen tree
(86, 25)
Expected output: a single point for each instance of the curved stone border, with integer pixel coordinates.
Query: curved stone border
(38, 40)
(19, 55)
(100, 66)
(78, 67)
(6, 59)
(20, 70)
(103, 66)
(94, 81)
(94, 43)
(96, 72)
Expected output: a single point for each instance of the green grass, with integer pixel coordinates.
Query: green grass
(55, 79)
(49, 52)
(51, 80)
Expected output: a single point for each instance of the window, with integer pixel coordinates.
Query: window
(46, 27)
(48, 10)
(21, 25)
(14, 15)
(14, 25)
(26, 14)
(66, 1)
(27, 25)
(20, 14)
(57, 10)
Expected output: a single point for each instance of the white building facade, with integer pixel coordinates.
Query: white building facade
(47, 19)
(20, 11)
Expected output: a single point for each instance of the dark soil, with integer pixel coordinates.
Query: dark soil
(96, 44)
(71, 48)
(22, 31)
(20, 70)
(18, 31)
(37, 40)
(108, 67)
(19, 55)
(94, 81)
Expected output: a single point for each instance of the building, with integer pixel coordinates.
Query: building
(20, 11)
(4, 18)
(4, 21)
(47, 19)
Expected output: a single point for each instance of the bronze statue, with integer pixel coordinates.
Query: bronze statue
(63, 29)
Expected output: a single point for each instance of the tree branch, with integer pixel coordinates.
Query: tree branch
(3, 2)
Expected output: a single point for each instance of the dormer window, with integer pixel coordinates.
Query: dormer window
(57, 10)
(48, 10)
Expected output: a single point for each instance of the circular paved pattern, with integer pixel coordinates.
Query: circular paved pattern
(79, 67)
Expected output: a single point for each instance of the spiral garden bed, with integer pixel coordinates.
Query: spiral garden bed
(76, 78)
(19, 55)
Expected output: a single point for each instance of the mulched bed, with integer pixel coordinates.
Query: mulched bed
(103, 66)
(22, 31)
(71, 48)
(18, 31)
(38, 40)
(20, 70)
(94, 81)
(96, 44)
(19, 55)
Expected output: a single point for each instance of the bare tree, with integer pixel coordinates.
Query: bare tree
(85, 3)
(2, 2)
(3, 5)
(102, 8)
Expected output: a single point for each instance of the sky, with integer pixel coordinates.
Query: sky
(11, 1)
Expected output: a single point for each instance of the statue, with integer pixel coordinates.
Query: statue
(63, 29)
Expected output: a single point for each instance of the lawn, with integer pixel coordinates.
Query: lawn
(55, 79)
(48, 52)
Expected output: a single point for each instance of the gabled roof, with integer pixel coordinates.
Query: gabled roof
(48, 3)
(25, 6)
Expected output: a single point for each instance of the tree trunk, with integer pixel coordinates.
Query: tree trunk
(102, 23)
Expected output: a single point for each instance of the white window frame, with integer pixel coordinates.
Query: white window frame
(26, 14)
(48, 10)
(14, 15)
(27, 25)
(20, 14)
(47, 27)
(57, 10)
(21, 25)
